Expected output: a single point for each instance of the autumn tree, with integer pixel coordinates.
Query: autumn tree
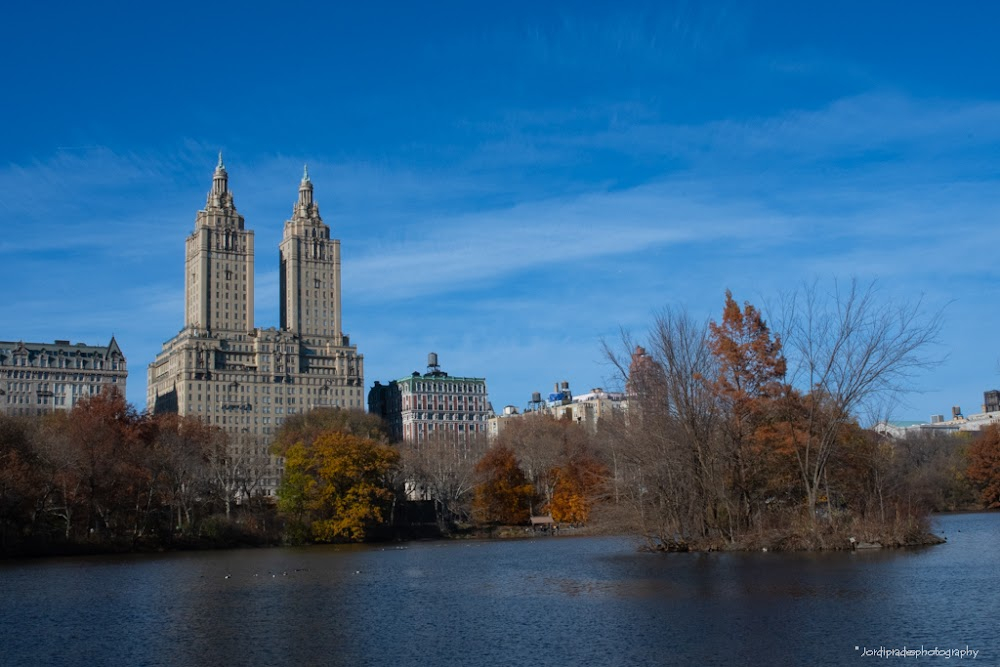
(104, 475)
(102, 432)
(581, 480)
(933, 469)
(748, 384)
(849, 354)
(984, 466)
(751, 366)
(729, 423)
(542, 444)
(504, 496)
(21, 494)
(237, 467)
(307, 426)
(862, 477)
(337, 486)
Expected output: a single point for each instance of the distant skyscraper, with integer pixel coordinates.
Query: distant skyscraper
(246, 380)
(219, 264)
(310, 270)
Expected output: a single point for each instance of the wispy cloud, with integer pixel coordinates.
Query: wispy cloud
(482, 248)
(521, 276)
(865, 125)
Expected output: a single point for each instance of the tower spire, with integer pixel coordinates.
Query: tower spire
(305, 194)
(219, 196)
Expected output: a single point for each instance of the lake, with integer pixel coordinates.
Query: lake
(545, 601)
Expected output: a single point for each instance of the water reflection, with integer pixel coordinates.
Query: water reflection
(557, 601)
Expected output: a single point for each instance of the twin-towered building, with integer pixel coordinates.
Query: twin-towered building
(232, 374)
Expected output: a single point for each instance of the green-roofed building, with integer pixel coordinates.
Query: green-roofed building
(418, 406)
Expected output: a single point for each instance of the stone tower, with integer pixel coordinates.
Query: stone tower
(246, 379)
(219, 264)
(310, 270)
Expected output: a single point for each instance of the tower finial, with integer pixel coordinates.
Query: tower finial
(305, 203)
(219, 194)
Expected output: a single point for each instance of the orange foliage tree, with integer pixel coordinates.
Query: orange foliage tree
(103, 432)
(748, 383)
(504, 496)
(543, 445)
(984, 466)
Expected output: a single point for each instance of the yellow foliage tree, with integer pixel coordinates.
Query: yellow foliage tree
(337, 486)
(579, 483)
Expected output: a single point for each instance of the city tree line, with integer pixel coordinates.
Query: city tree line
(104, 477)
(739, 433)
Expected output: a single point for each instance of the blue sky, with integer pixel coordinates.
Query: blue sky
(511, 182)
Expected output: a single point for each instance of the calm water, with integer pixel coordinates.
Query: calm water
(555, 601)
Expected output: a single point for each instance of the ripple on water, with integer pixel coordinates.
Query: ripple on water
(580, 601)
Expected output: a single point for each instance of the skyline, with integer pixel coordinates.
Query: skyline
(509, 186)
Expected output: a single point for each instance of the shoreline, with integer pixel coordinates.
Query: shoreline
(781, 542)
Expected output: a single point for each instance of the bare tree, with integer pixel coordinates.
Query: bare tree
(441, 468)
(668, 459)
(183, 447)
(849, 352)
(237, 466)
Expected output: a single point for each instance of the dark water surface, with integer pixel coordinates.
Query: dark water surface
(549, 601)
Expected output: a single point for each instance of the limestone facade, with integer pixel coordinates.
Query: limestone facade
(244, 379)
(36, 378)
